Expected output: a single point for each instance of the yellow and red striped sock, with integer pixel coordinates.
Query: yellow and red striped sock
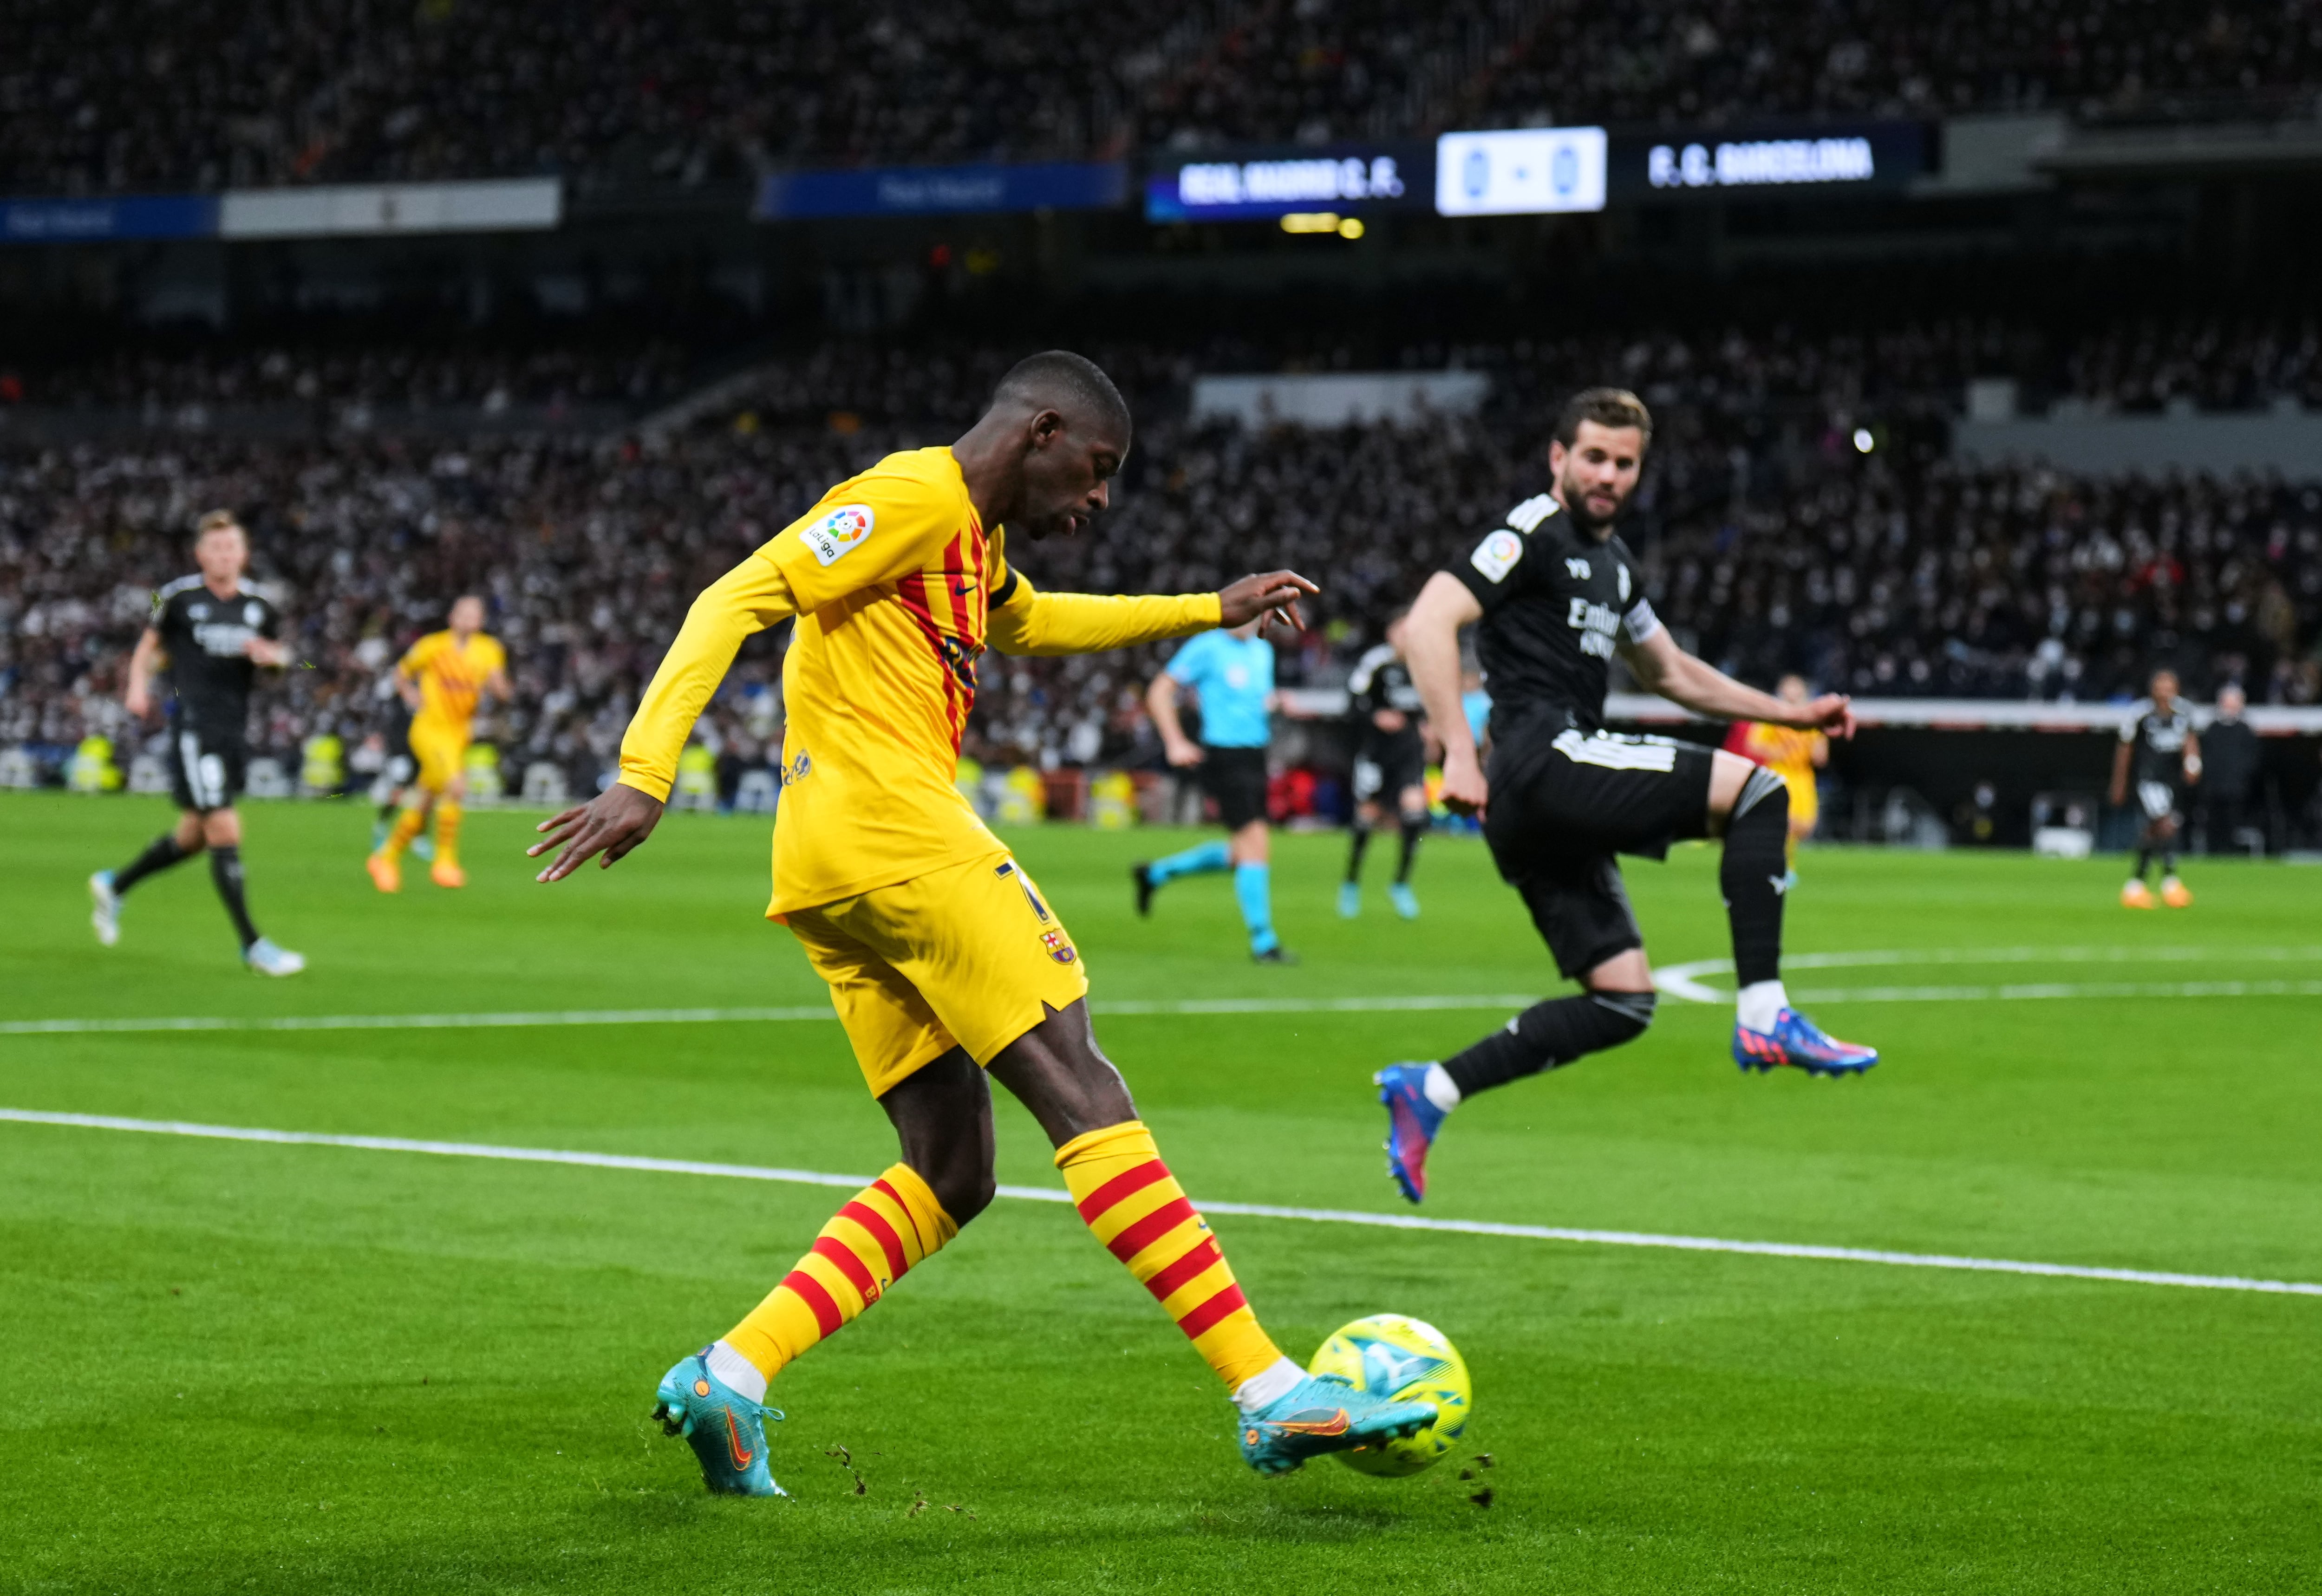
(890, 1226)
(406, 826)
(448, 814)
(1126, 1196)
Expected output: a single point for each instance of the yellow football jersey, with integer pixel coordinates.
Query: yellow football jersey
(1786, 750)
(451, 675)
(897, 587)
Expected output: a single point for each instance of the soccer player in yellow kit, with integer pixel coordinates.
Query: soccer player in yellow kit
(440, 678)
(946, 962)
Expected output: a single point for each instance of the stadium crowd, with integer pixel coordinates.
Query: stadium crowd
(2253, 362)
(1771, 543)
(205, 94)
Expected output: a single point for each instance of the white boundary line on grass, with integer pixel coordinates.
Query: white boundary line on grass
(683, 1016)
(1683, 982)
(744, 1172)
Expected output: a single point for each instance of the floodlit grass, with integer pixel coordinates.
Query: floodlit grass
(278, 1368)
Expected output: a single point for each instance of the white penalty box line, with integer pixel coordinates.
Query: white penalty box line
(744, 1172)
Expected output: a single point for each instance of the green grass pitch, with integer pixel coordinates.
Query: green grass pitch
(247, 1367)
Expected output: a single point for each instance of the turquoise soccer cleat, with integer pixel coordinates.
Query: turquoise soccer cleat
(1350, 900)
(1325, 1413)
(725, 1429)
(1406, 901)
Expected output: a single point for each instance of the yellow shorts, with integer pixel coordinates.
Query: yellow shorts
(440, 754)
(969, 955)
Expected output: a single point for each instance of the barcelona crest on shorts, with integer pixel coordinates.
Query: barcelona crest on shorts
(1059, 949)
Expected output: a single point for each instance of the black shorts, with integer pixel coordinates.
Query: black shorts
(205, 771)
(1236, 778)
(1385, 766)
(1563, 805)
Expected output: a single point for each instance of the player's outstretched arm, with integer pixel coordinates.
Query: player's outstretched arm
(1430, 648)
(1029, 621)
(751, 596)
(1661, 667)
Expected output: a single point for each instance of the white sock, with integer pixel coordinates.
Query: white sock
(736, 1370)
(1440, 1087)
(1760, 1004)
(1263, 1390)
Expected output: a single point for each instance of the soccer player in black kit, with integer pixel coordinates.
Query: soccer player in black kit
(1390, 766)
(214, 631)
(2160, 748)
(1557, 595)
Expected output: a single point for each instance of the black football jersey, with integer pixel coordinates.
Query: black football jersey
(206, 637)
(1555, 602)
(1383, 681)
(2160, 743)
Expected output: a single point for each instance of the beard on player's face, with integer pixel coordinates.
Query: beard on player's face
(1576, 490)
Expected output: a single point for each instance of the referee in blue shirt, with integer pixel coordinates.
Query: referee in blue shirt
(1232, 674)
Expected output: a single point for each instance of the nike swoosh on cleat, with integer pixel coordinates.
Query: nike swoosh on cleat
(1336, 1425)
(734, 1445)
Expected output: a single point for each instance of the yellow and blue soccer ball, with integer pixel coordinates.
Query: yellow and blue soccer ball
(1410, 1361)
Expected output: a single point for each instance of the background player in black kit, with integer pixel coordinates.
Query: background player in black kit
(2160, 748)
(1557, 594)
(212, 631)
(1390, 766)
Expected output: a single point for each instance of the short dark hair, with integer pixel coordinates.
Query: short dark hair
(1073, 384)
(1607, 407)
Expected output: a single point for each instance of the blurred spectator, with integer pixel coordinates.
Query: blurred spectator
(2229, 764)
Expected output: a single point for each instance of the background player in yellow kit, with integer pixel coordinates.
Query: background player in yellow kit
(440, 678)
(1795, 756)
(945, 961)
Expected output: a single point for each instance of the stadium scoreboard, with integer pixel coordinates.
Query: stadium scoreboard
(1539, 171)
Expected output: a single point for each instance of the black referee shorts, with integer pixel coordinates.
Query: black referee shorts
(1564, 805)
(1236, 778)
(205, 771)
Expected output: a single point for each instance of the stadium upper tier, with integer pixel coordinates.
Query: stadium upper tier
(202, 96)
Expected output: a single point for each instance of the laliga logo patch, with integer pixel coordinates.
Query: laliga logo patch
(838, 532)
(1058, 948)
(797, 770)
(1497, 555)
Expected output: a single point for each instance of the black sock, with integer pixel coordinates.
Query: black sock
(2143, 863)
(225, 870)
(1550, 1034)
(161, 854)
(1354, 846)
(1757, 840)
(387, 810)
(1412, 830)
(2168, 862)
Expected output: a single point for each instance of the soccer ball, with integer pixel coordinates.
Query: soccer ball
(1409, 1360)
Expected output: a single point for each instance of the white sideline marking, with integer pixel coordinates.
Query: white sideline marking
(1677, 981)
(690, 1016)
(1684, 981)
(744, 1172)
